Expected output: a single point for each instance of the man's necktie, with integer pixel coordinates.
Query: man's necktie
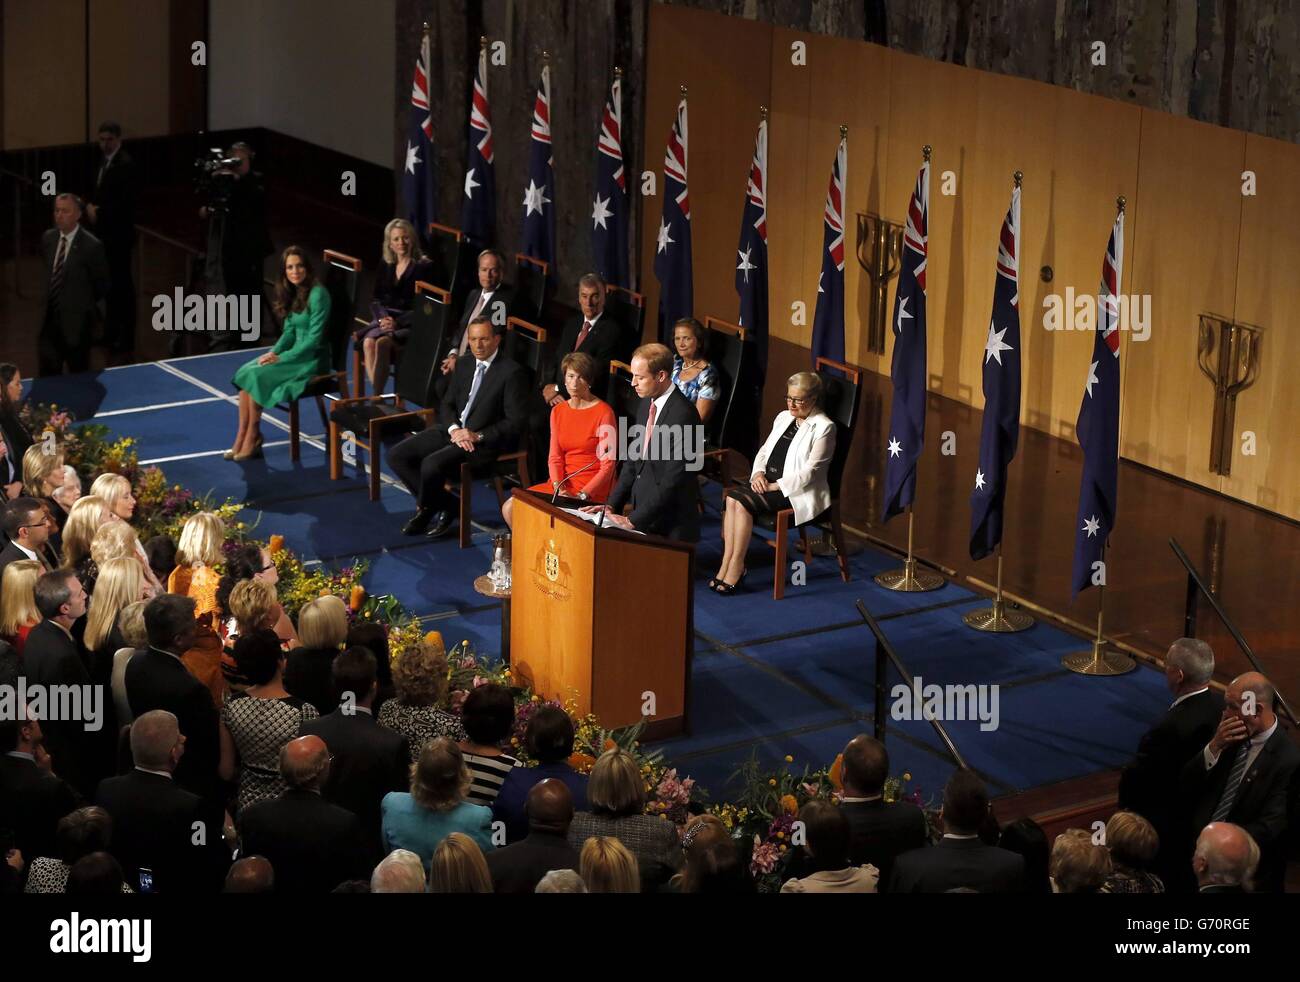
(473, 392)
(582, 335)
(478, 309)
(649, 425)
(56, 275)
(1233, 786)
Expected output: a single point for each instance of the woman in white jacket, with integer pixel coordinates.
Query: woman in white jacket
(790, 471)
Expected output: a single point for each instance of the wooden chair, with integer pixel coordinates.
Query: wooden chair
(731, 354)
(422, 289)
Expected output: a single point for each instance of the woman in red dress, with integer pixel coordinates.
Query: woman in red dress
(583, 434)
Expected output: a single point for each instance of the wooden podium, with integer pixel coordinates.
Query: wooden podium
(601, 616)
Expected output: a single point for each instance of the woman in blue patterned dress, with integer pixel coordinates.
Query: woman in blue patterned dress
(693, 373)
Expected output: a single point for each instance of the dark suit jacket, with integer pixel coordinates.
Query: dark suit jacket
(500, 409)
(50, 657)
(115, 197)
(17, 440)
(603, 342)
(10, 554)
(520, 867)
(664, 495)
(157, 680)
(313, 845)
(880, 833)
(1265, 802)
(155, 823)
(504, 294)
(85, 283)
(31, 803)
(958, 863)
(307, 675)
(369, 761)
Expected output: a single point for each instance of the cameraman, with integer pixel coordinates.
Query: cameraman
(239, 207)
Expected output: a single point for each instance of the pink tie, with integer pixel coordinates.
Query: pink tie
(649, 425)
(582, 335)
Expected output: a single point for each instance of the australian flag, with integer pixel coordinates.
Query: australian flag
(907, 417)
(539, 216)
(1098, 423)
(828, 321)
(1001, 429)
(478, 217)
(609, 210)
(418, 174)
(751, 270)
(673, 256)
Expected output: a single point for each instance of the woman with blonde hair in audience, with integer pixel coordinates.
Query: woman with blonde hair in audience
(42, 476)
(322, 632)
(120, 583)
(117, 540)
(458, 866)
(420, 678)
(253, 607)
(115, 490)
(197, 556)
(1133, 843)
(18, 613)
(1078, 865)
(606, 866)
(69, 491)
(251, 562)
(435, 806)
(130, 623)
(84, 519)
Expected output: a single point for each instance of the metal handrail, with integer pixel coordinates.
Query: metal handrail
(891, 656)
(1195, 587)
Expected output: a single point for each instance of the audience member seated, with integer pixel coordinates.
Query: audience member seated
(197, 557)
(322, 630)
(119, 584)
(561, 881)
(398, 872)
(115, 491)
(302, 352)
(312, 845)
(251, 562)
(711, 863)
(616, 795)
(960, 859)
(1246, 775)
(435, 806)
(114, 540)
(14, 437)
(252, 874)
(1132, 843)
(1149, 785)
(80, 833)
(791, 471)
(369, 760)
(420, 678)
(1078, 865)
(374, 638)
(520, 866)
(1225, 860)
(826, 828)
(18, 613)
(482, 415)
(156, 679)
(32, 796)
(256, 726)
(161, 553)
(583, 432)
(253, 606)
(96, 875)
(1026, 839)
(459, 867)
(27, 530)
(84, 520)
(42, 476)
(606, 866)
(155, 821)
(693, 374)
(134, 638)
(488, 716)
(390, 305)
(69, 491)
(549, 741)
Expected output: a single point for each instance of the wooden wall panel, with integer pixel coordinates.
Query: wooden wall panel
(129, 65)
(44, 73)
(1268, 295)
(723, 63)
(1185, 256)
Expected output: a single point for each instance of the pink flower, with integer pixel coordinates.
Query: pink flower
(764, 858)
(458, 700)
(479, 680)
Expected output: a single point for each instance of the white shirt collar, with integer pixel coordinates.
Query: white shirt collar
(489, 361)
(109, 159)
(953, 835)
(29, 553)
(1259, 739)
(21, 755)
(70, 235)
(659, 403)
(854, 801)
(1186, 696)
(592, 320)
(363, 709)
(166, 774)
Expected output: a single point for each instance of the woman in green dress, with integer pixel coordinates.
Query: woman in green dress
(301, 353)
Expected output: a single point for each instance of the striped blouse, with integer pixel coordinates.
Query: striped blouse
(488, 774)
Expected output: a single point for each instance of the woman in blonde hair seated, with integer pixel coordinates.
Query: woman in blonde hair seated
(606, 866)
(1133, 843)
(119, 585)
(197, 556)
(1078, 865)
(252, 607)
(119, 500)
(42, 476)
(84, 519)
(18, 613)
(458, 866)
(117, 540)
(322, 632)
(130, 623)
(420, 678)
(791, 470)
(435, 806)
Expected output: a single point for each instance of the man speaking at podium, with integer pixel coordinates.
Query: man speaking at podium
(657, 477)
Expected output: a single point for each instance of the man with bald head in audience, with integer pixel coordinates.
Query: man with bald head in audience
(1247, 775)
(252, 874)
(520, 866)
(1225, 859)
(312, 845)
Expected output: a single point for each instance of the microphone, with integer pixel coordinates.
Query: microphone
(556, 495)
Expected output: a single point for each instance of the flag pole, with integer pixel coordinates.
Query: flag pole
(997, 619)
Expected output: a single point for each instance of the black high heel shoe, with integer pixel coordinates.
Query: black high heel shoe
(727, 589)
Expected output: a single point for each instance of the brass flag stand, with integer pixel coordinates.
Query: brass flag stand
(997, 619)
(910, 579)
(1101, 660)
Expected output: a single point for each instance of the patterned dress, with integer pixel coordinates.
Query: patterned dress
(419, 724)
(703, 386)
(260, 728)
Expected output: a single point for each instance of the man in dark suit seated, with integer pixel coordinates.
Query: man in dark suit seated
(521, 865)
(1247, 775)
(32, 797)
(312, 845)
(156, 824)
(156, 679)
(76, 283)
(482, 414)
(369, 760)
(52, 657)
(1225, 859)
(960, 860)
(112, 212)
(27, 531)
(492, 298)
(654, 477)
(592, 332)
(1150, 784)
